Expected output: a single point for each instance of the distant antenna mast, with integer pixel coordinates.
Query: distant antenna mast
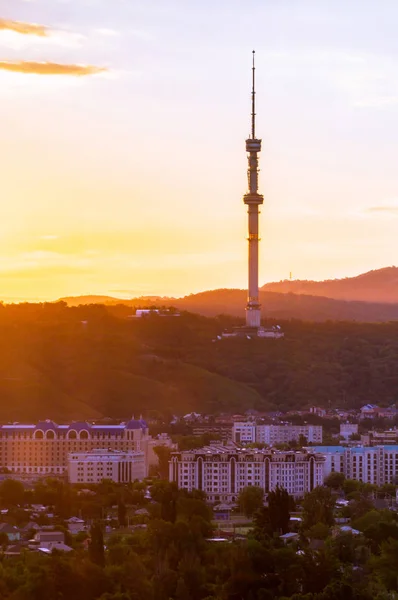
(253, 100)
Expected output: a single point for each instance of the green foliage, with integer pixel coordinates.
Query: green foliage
(334, 480)
(11, 492)
(279, 503)
(250, 500)
(318, 507)
(66, 371)
(164, 454)
(121, 514)
(174, 560)
(96, 546)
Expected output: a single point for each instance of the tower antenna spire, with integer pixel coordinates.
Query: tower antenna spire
(253, 99)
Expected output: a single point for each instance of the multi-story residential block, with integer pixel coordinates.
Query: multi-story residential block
(347, 429)
(43, 449)
(220, 430)
(380, 438)
(97, 465)
(377, 464)
(244, 432)
(248, 432)
(223, 471)
(283, 434)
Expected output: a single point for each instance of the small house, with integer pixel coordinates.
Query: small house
(11, 532)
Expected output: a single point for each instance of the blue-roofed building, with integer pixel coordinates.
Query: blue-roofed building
(375, 464)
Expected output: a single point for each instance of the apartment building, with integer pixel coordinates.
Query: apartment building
(244, 432)
(377, 464)
(247, 432)
(219, 430)
(348, 429)
(43, 449)
(94, 466)
(223, 471)
(380, 438)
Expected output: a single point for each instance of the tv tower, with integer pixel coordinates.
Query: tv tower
(253, 200)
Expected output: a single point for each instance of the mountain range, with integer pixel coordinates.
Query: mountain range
(372, 296)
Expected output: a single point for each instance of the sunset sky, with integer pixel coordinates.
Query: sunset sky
(123, 125)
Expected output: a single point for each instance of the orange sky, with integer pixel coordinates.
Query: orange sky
(122, 143)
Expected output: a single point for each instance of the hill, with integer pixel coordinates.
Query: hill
(379, 286)
(83, 363)
(92, 361)
(274, 305)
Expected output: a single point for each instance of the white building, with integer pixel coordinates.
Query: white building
(244, 432)
(94, 466)
(377, 464)
(347, 429)
(223, 471)
(248, 433)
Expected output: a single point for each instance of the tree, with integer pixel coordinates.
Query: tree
(251, 499)
(11, 492)
(334, 480)
(121, 513)
(96, 546)
(302, 441)
(318, 507)
(166, 494)
(163, 453)
(279, 503)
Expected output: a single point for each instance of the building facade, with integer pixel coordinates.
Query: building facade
(247, 432)
(97, 465)
(223, 471)
(380, 438)
(377, 464)
(348, 429)
(244, 432)
(43, 449)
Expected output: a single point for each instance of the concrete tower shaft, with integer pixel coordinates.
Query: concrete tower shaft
(253, 200)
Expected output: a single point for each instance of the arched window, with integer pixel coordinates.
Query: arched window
(72, 435)
(39, 435)
(50, 435)
(84, 435)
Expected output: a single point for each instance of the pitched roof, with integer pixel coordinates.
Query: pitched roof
(7, 528)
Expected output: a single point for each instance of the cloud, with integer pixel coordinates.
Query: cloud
(383, 209)
(23, 28)
(107, 32)
(49, 68)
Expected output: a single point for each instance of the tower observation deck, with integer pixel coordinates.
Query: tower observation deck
(253, 200)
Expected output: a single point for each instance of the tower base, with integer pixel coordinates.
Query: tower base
(254, 332)
(253, 316)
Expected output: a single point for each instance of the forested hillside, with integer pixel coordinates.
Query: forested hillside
(276, 305)
(92, 361)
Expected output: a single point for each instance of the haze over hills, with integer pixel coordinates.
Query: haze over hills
(372, 296)
(380, 285)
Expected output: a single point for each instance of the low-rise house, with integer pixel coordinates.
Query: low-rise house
(369, 411)
(13, 534)
(14, 550)
(31, 526)
(289, 537)
(76, 525)
(48, 538)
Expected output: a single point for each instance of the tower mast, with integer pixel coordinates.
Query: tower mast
(253, 200)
